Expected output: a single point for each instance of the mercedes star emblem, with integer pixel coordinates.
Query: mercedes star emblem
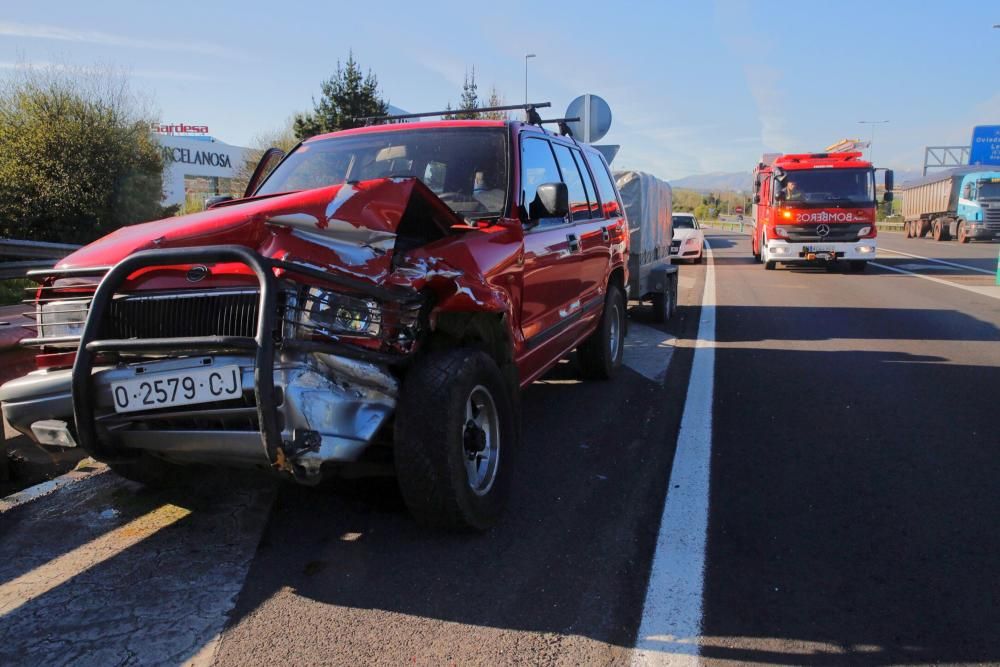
(822, 230)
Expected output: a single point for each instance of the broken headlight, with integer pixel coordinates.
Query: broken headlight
(324, 312)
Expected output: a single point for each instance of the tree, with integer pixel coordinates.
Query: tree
(346, 95)
(495, 100)
(77, 157)
(282, 137)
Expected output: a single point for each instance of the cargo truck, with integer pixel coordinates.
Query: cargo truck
(964, 203)
(815, 208)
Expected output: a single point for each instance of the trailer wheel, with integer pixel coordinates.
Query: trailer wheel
(963, 234)
(663, 304)
(907, 230)
(921, 229)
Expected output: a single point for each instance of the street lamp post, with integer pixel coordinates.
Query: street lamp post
(526, 56)
(873, 123)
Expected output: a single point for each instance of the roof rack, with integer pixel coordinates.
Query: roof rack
(533, 116)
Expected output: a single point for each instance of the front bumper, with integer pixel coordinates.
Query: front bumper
(329, 408)
(980, 232)
(789, 253)
(304, 403)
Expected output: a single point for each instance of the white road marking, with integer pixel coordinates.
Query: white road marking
(913, 266)
(938, 261)
(992, 292)
(671, 625)
(648, 351)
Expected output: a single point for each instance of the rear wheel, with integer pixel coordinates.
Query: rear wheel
(453, 463)
(601, 354)
(921, 229)
(663, 305)
(963, 234)
(908, 230)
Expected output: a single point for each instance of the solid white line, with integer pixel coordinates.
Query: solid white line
(992, 292)
(672, 614)
(939, 261)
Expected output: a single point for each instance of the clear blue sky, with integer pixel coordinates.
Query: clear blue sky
(695, 87)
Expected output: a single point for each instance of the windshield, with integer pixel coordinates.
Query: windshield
(856, 186)
(989, 189)
(683, 222)
(466, 167)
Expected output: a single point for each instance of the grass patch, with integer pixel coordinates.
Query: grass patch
(12, 291)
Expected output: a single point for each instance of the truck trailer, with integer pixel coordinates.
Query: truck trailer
(963, 202)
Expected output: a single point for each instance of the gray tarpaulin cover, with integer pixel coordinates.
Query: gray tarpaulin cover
(647, 202)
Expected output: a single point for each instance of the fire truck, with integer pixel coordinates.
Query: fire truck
(815, 208)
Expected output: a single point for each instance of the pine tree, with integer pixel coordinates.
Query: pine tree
(470, 98)
(347, 95)
(495, 100)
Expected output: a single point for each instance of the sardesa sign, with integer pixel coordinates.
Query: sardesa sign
(985, 147)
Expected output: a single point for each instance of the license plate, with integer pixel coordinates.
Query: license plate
(819, 248)
(187, 387)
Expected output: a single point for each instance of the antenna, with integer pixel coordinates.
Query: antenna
(533, 116)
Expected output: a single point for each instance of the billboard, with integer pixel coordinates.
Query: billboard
(985, 147)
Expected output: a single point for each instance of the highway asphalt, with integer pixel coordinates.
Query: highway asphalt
(846, 434)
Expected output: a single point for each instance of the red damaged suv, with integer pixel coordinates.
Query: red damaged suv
(376, 299)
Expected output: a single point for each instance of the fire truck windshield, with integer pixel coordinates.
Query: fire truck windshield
(823, 186)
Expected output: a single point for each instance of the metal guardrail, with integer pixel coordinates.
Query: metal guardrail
(23, 256)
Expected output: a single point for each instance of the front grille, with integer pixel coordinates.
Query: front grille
(675, 245)
(839, 232)
(991, 217)
(217, 313)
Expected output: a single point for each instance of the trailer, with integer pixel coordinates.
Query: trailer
(648, 207)
(964, 203)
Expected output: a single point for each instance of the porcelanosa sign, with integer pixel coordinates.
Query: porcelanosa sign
(195, 156)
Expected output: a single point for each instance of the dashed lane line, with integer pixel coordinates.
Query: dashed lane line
(671, 625)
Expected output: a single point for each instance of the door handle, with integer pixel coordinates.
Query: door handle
(605, 234)
(574, 243)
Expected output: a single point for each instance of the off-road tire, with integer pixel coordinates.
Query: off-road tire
(430, 451)
(858, 265)
(596, 358)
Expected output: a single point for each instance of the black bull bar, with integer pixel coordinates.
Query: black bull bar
(262, 345)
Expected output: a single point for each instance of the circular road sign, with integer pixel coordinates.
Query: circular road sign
(595, 118)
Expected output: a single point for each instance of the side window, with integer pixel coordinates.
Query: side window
(606, 188)
(588, 183)
(579, 206)
(538, 166)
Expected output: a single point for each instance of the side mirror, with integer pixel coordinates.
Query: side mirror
(551, 201)
(268, 161)
(217, 199)
(887, 197)
(889, 182)
(780, 193)
(756, 198)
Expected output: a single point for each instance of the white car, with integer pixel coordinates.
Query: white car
(688, 238)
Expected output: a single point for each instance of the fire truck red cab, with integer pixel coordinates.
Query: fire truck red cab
(815, 207)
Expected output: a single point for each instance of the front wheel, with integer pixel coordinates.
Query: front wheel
(453, 462)
(963, 234)
(601, 354)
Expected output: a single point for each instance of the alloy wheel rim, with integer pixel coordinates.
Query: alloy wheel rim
(481, 440)
(614, 332)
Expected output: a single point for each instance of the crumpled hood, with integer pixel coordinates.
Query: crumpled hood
(359, 219)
